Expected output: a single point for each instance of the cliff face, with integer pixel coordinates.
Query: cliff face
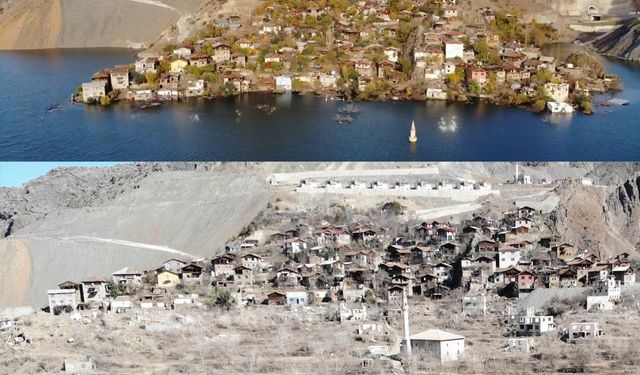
(622, 210)
(623, 42)
(604, 220)
(36, 24)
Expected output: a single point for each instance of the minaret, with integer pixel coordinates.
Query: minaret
(405, 321)
(412, 136)
(517, 173)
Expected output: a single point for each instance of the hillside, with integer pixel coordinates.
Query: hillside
(623, 42)
(35, 24)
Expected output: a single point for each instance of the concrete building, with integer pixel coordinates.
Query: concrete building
(120, 77)
(582, 331)
(474, 305)
(93, 290)
(353, 312)
(127, 276)
(521, 344)
(559, 92)
(297, 298)
(437, 344)
(93, 90)
(453, 49)
(62, 298)
(532, 325)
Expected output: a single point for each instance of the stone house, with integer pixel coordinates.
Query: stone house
(120, 77)
(93, 290)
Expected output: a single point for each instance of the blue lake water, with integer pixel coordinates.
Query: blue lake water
(301, 127)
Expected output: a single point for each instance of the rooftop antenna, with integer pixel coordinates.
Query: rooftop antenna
(405, 321)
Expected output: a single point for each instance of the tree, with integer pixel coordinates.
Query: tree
(221, 299)
(151, 77)
(474, 88)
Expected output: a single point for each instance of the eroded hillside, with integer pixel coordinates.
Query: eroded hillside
(34, 24)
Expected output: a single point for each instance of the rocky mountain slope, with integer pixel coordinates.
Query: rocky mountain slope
(35, 24)
(623, 42)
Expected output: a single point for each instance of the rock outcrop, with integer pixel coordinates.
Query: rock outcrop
(623, 42)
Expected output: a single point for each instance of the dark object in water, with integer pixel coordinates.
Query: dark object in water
(349, 109)
(151, 105)
(55, 107)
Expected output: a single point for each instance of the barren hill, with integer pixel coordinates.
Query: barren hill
(34, 24)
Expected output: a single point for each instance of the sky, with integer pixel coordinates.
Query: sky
(14, 174)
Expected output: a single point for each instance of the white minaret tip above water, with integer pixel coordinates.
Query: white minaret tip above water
(413, 138)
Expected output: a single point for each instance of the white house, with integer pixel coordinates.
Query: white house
(62, 297)
(437, 344)
(532, 325)
(294, 245)
(559, 92)
(354, 313)
(146, 65)
(283, 83)
(508, 257)
(297, 298)
(127, 276)
(93, 90)
(453, 49)
(183, 52)
(391, 54)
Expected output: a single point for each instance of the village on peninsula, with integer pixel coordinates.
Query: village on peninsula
(363, 50)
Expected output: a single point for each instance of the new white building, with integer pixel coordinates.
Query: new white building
(437, 344)
(532, 325)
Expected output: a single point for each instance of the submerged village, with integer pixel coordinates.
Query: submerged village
(363, 50)
(375, 293)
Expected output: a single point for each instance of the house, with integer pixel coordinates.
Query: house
(252, 261)
(604, 294)
(146, 65)
(352, 312)
(61, 299)
(294, 245)
(508, 257)
(223, 264)
(453, 49)
(173, 265)
(532, 325)
(243, 275)
(559, 92)
(394, 297)
(436, 344)
(178, 66)
(584, 331)
(221, 53)
(525, 211)
(93, 90)
(283, 83)
(486, 246)
(127, 276)
(523, 222)
(297, 298)
(276, 298)
(477, 75)
(199, 60)
(442, 271)
(526, 281)
(287, 276)
(191, 274)
(93, 290)
(624, 274)
(120, 77)
(446, 233)
(364, 68)
(195, 88)
(391, 54)
(167, 279)
(474, 305)
(184, 52)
